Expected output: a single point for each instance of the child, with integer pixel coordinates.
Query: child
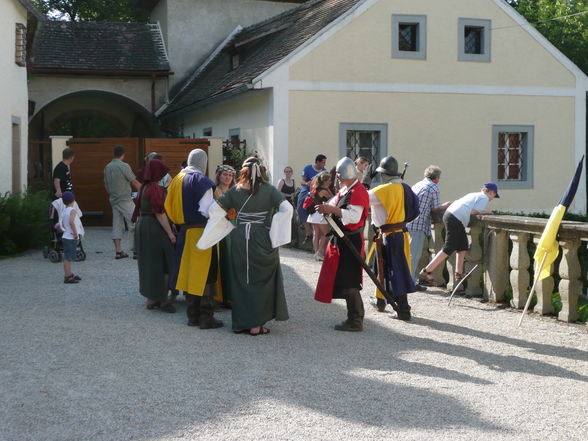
(72, 232)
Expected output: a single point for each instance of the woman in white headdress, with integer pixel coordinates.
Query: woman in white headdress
(262, 225)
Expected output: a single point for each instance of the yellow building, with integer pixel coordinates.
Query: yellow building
(468, 85)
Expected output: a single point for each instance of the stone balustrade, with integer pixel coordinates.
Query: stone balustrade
(499, 244)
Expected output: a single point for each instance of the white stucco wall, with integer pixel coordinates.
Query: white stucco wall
(249, 112)
(193, 28)
(13, 93)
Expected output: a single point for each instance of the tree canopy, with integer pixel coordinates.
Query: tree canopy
(92, 10)
(568, 33)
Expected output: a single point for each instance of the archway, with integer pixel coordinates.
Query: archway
(84, 114)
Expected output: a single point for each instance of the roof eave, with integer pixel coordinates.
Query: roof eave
(95, 72)
(32, 9)
(163, 114)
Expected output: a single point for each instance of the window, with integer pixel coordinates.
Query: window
(409, 36)
(367, 140)
(473, 40)
(207, 131)
(512, 156)
(20, 54)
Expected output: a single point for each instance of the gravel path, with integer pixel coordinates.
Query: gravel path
(89, 362)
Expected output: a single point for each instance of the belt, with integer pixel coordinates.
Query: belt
(190, 226)
(392, 228)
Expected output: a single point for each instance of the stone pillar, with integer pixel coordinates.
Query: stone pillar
(543, 289)
(58, 144)
(496, 263)
(519, 276)
(437, 245)
(570, 286)
(473, 258)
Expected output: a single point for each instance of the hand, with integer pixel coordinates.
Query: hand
(58, 193)
(326, 209)
(172, 238)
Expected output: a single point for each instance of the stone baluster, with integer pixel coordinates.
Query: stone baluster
(543, 289)
(473, 258)
(437, 242)
(519, 276)
(570, 286)
(496, 266)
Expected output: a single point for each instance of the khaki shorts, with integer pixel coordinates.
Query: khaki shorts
(122, 213)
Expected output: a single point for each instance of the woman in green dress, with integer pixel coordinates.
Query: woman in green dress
(224, 180)
(262, 225)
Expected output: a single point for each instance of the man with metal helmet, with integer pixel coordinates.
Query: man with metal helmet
(393, 204)
(188, 200)
(341, 273)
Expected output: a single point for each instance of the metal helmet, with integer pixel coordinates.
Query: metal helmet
(197, 160)
(346, 168)
(388, 166)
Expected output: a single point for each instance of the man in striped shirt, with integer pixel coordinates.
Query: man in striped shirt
(420, 229)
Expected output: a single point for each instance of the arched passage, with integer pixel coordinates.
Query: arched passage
(84, 114)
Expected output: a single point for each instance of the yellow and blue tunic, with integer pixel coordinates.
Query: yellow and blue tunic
(182, 207)
(401, 205)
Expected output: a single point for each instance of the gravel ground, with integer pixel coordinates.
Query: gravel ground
(90, 362)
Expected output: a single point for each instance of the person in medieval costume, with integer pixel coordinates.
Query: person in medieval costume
(262, 225)
(393, 204)
(189, 198)
(341, 272)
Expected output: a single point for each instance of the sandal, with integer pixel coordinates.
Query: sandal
(70, 279)
(458, 278)
(426, 279)
(262, 331)
(152, 305)
(120, 255)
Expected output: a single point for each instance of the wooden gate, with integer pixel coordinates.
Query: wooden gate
(175, 150)
(87, 174)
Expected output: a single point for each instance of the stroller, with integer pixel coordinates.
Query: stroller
(54, 251)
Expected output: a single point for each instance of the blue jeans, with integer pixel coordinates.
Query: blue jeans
(302, 214)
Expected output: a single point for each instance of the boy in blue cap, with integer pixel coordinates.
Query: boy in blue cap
(456, 219)
(72, 232)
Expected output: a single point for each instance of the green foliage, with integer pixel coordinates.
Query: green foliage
(92, 10)
(569, 35)
(583, 309)
(23, 221)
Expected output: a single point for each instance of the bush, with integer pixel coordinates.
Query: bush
(23, 221)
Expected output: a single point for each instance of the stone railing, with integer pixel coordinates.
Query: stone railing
(490, 239)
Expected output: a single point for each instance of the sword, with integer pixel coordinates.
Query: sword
(460, 282)
(358, 257)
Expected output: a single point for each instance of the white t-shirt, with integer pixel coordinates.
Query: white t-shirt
(462, 208)
(66, 227)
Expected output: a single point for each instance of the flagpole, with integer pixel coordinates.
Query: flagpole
(537, 275)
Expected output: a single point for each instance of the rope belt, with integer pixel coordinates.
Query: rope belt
(251, 220)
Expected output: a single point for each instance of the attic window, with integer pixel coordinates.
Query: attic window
(474, 40)
(234, 60)
(20, 54)
(409, 36)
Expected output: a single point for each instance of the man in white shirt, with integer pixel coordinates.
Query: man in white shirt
(456, 219)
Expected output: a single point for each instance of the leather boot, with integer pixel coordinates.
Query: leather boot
(193, 309)
(206, 319)
(403, 312)
(355, 312)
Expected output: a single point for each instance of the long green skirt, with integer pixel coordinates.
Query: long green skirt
(156, 258)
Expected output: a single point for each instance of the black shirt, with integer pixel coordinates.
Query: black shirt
(61, 172)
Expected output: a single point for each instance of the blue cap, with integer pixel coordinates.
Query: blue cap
(68, 197)
(492, 186)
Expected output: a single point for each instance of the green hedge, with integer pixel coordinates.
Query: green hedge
(23, 221)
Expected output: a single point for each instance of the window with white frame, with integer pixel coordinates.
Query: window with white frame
(20, 52)
(473, 40)
(512, 156)
(367, 140)
(409, 36)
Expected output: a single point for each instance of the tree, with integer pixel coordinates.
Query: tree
(569, 34)
(92, 10)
